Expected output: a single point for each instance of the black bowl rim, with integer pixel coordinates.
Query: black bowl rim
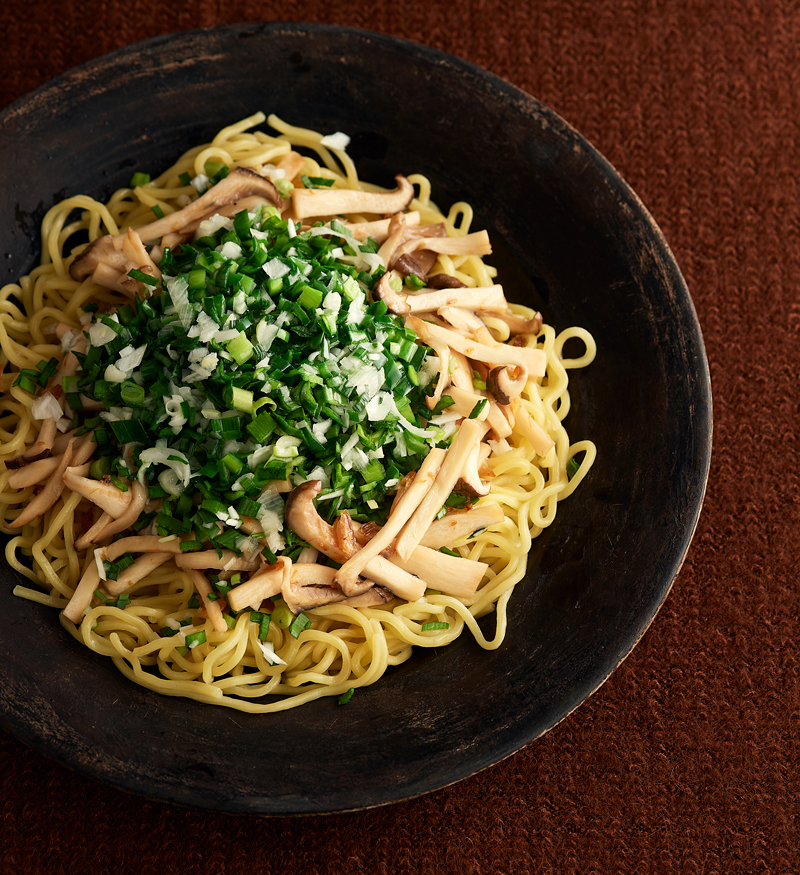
(66, 752)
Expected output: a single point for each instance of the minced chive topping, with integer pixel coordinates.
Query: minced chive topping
(573, 465)
(257, 359)
(430, 627)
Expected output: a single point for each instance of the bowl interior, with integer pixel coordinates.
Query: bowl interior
(570, 239)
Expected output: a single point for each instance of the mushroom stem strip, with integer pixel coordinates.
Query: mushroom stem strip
(303, 519)
(534, 360)
(141, 544)
(263, 585)
(82, 597)
(465, 402)
(538, 438)
(212, 608)
(204, 559)
(468, 436)
(309, 586)
(348, 573)
(34, 473)
(92, 534)
(457, 524)
(142, 566)
(48, 496)
(476, 243)
(104, 495)
(451, 575)
(132, 513)
(39, 449)
(379, 229)
(478, 298)
(308, 202)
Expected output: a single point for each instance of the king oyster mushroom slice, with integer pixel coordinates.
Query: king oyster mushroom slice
(106, 525)
(303, 519)
(347, 575)
(506, 382)
(264, 584)
(538, 438)
(378, 229)
(82, 597)
(40, 448)
(465, 402)
(499, 423)
(212, 608)
(490, 298)
(49, 495)
(455, 463)
(312, 202)
(451, 575)
(238, 184)
(397, 230)
(533, 360)
(392, 251)
(457, 524)
(375, 595)
(310, 585)
(229, 561)
(140, 568)
(476, 243)
(41, 469)
(100, 492)
(519, 324)
(469, 482)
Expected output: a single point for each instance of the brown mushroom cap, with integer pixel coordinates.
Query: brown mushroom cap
(407, 265)
(506, 382)
(238, 184)
(444, 281)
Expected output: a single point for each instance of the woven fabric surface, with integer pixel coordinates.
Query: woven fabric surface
(686, 759)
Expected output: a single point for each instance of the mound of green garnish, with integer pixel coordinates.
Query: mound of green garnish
(257, 358)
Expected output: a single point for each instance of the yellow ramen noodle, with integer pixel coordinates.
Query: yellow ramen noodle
(299, 579)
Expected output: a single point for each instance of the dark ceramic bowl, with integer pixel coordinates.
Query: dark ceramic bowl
(570, 239)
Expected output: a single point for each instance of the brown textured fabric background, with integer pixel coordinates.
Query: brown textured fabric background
(686, 760)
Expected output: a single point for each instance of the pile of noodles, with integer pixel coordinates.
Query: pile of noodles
(344, 647)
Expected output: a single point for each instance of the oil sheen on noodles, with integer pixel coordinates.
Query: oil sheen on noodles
(343, 647)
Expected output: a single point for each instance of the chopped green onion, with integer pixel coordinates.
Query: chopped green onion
(186, 546)
(240, 348)
(139, 179)
(316, 181)
(282, 615)
(129, 431)
(195, 639)
(263, 620)
(299, 623)
(132, 395)
(26, 384)
(478, 408)
(429, 627)
(345, 697)
(211, 168)
(143, 277)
